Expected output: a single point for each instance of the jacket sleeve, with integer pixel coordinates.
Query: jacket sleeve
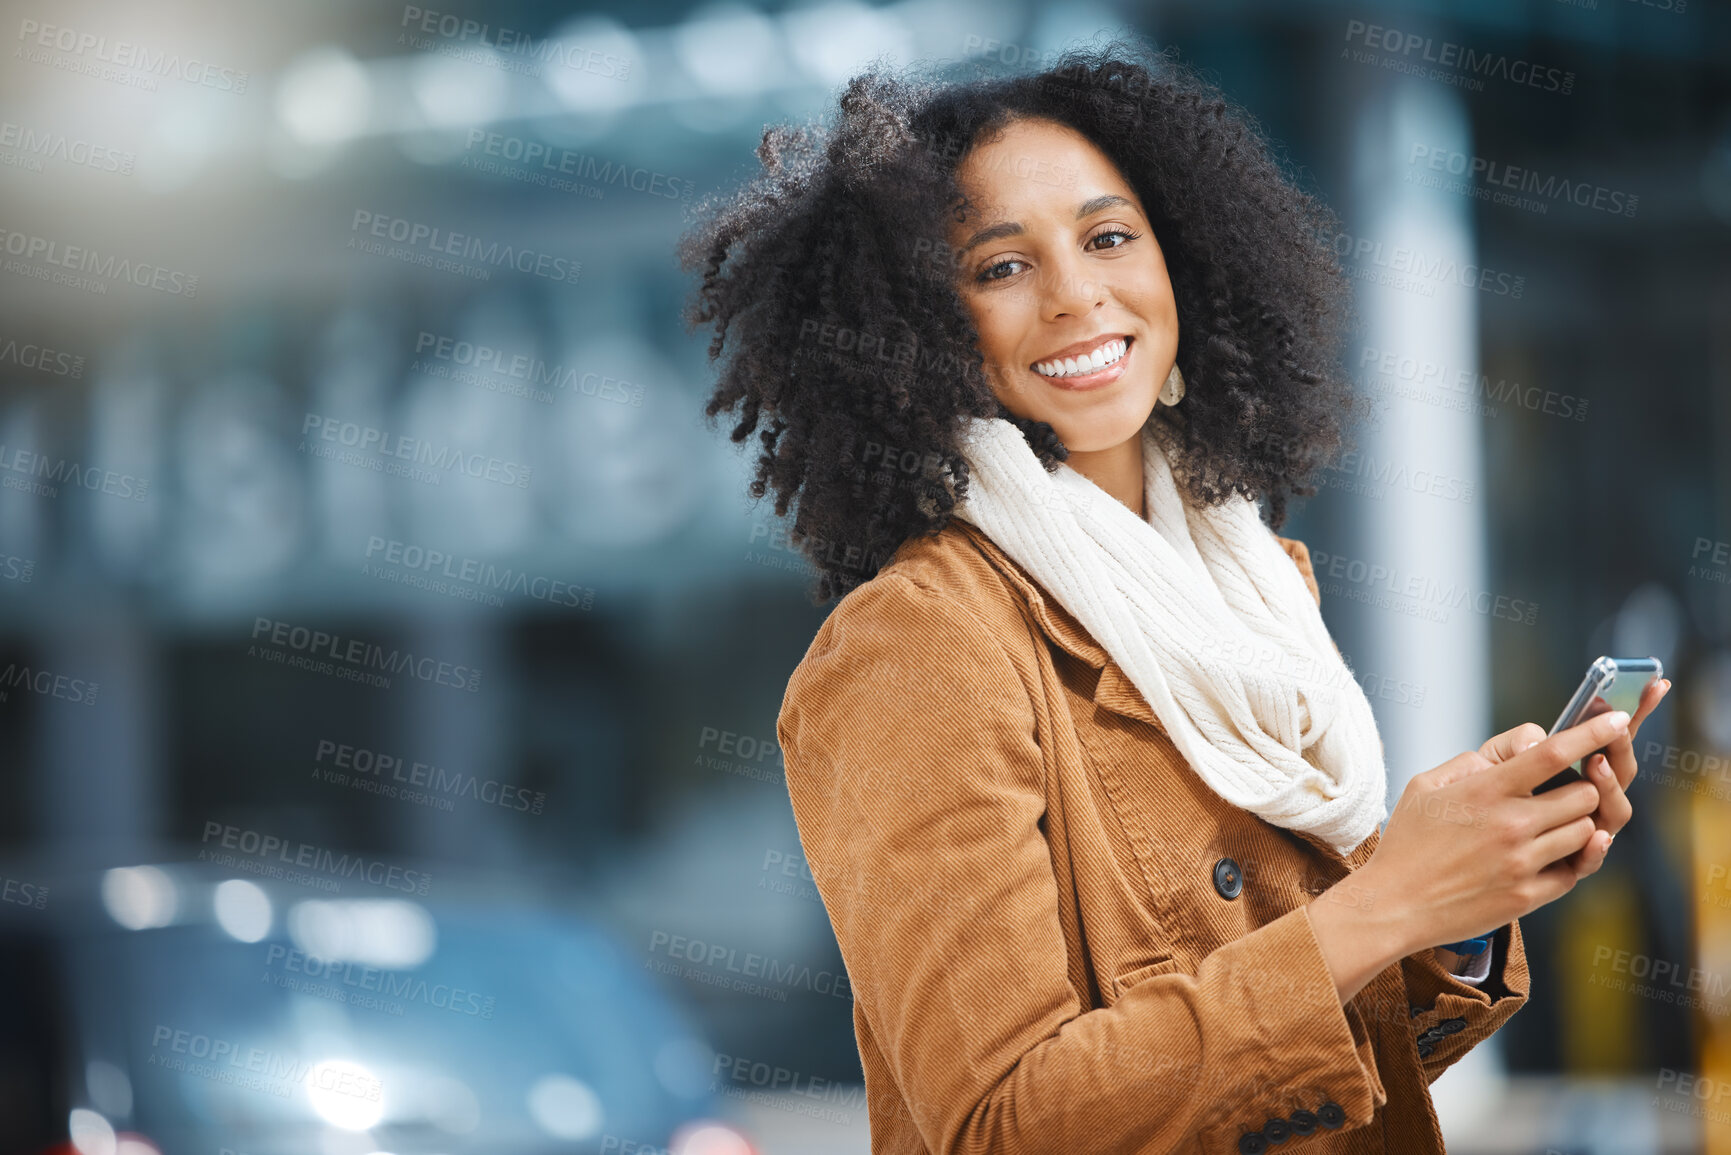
(918, 785)
(1449, 1017)
(1300, 555)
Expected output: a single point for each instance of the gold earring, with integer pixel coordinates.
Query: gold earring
(1172, 392)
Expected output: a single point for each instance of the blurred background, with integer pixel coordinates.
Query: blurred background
(390, 655)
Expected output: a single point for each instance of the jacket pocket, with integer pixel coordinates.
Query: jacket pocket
(1128, 979)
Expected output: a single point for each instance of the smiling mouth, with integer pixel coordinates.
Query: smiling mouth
(1106, 353)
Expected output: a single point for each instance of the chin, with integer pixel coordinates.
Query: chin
(1102, 431)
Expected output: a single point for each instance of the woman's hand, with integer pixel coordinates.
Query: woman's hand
(1612, 778)
(1469, 847)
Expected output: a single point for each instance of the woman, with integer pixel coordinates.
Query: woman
(1089, 794)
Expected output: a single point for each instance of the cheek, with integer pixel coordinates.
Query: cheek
(1149, 291)
(1000, 325)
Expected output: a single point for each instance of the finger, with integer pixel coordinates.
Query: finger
(1622, 750)
(1651, 695)
(1624, 764)
(1559, 807)
(1561, 841)
(1614, 809)
(1506, 745)
(1554, 881)
(1590, 857)
(1537, 763)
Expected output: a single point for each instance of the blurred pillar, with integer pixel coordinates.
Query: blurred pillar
(1410, 553)
(98, 800)
(464, 734)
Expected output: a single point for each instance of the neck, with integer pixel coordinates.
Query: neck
(1117, 470)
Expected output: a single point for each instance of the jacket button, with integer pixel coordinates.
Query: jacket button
(1303, 1122)
(1424, 1050)
(1228, 879)
(1252, 1143)
(1450, 1026)
(1331, 1114)
(1431, 1036)
(1276, 1130)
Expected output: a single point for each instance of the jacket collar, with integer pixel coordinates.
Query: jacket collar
(1114, 691)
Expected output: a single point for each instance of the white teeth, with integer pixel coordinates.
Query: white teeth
(1107, 354)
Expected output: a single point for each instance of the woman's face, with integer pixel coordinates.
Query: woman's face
(1055, 259)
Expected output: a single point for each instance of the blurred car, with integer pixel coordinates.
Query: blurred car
(186, 1008)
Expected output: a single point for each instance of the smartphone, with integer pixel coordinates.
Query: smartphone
(1610, 684)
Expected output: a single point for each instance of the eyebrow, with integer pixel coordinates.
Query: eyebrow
(1013, 228)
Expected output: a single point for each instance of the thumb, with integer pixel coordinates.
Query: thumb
(1506, 745)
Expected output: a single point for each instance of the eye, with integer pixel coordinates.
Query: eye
(1115, 232)
(986, 273)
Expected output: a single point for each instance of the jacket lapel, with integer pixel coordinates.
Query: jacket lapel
(1113, 691)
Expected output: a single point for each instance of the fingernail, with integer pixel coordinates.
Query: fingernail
(1619, 719)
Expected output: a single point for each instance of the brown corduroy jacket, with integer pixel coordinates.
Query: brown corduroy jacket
(1059, 939)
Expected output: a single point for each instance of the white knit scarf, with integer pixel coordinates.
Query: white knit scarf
(1207, 616)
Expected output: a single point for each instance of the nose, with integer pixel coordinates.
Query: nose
(1066, 289)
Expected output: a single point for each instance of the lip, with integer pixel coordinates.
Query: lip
(1093, 380)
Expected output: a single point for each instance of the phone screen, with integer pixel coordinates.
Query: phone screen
(1610, 684)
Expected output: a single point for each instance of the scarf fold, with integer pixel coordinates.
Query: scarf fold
(1209, 619)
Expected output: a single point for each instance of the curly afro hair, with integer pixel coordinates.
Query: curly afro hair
(854, 352)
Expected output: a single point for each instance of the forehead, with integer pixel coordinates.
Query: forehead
(1036, 165)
